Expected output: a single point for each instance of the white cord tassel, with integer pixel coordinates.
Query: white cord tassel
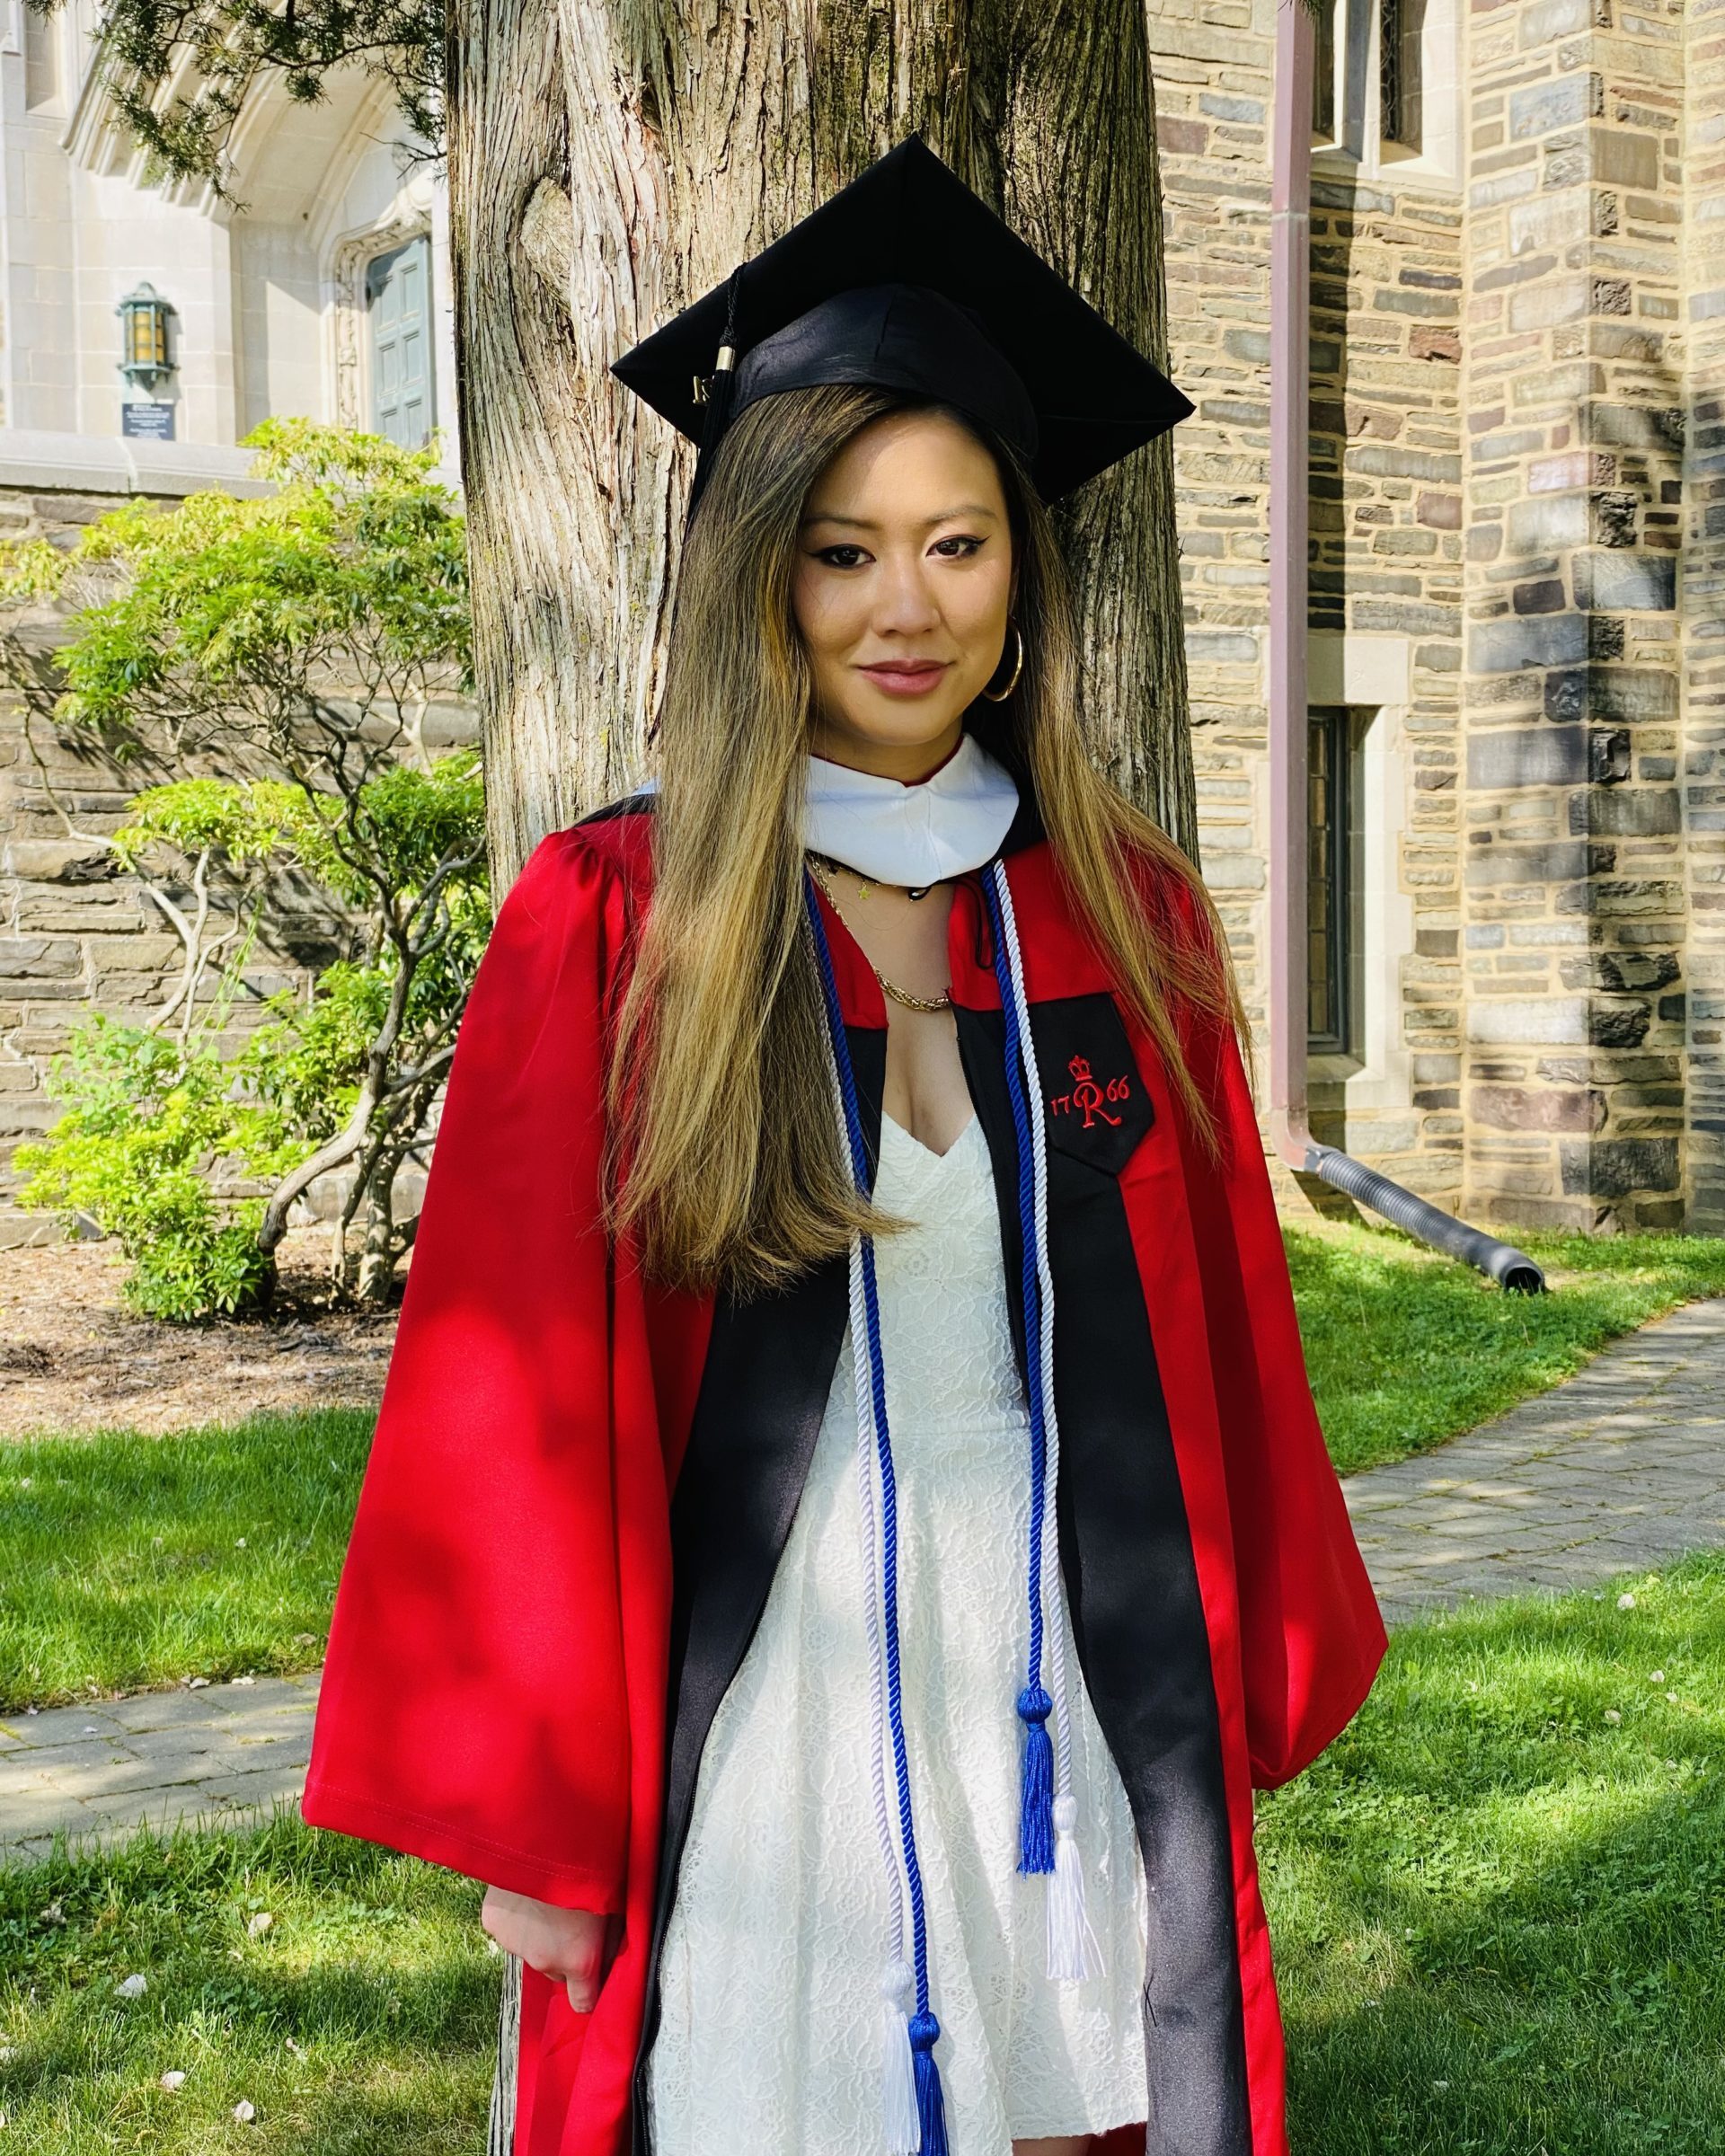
(1074, 1951)
(903, 2132)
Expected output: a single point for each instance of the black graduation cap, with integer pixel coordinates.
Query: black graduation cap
(907, 278)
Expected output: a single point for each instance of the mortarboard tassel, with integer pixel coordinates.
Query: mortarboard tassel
(720, 384)
(714, 393)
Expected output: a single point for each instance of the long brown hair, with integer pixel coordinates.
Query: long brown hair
(724, 1159)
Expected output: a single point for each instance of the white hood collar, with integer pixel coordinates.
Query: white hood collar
(942, 826)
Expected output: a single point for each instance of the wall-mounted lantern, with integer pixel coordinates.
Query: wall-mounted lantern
(146, 362)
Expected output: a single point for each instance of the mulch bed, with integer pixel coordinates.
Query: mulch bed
(73, 1357)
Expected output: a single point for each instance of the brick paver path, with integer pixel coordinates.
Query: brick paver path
(1622, 1467)
(161, 1756)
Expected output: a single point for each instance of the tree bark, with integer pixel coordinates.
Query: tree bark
(610, 159)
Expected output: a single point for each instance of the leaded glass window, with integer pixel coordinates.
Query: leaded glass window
(1327, 897)
(1401, 27)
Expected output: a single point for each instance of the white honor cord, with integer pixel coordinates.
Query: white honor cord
(902, 2129)
(1074, 1951)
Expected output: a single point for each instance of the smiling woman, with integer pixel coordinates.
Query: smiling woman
(903, 625)
(848, 1677)
(904, 591)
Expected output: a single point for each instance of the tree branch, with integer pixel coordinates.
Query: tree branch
(333, 1153)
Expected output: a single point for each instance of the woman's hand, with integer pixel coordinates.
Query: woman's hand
(574, 1944)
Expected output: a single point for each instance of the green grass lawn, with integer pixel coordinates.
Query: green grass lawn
(361, 2021)
(1406, 1348)
(1499, 1912)
(1498, 1917)
(127, 1562)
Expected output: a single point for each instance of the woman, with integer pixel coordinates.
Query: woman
(844, 1631)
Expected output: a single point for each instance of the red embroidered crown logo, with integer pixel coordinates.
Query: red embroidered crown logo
(1088, 1097)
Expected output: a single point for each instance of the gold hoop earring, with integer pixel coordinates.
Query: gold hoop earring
(1000, 695)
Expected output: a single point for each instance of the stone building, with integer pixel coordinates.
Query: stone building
(1517, 496)
(1518, 488)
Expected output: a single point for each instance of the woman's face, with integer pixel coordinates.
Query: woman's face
(903, 587)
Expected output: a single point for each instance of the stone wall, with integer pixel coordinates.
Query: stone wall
(75, 934)
(1385, 577)
(1212, 60)
(1574, 884)
(1517, 510)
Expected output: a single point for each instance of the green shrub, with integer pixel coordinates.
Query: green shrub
(281, 653)
(151, 1123)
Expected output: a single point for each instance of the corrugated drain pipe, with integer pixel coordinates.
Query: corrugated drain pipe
(1289, 340)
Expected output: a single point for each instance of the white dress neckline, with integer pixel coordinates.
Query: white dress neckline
(910, 1138)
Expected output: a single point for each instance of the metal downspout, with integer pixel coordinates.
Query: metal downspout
(1290, 257)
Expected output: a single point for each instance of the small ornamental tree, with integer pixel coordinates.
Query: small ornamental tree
(283, 653)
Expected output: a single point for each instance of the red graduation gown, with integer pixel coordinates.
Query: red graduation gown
(580, 1486)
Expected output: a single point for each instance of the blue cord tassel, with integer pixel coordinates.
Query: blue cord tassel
(931, 2107)
(1036, 1839)
(1036, 1790)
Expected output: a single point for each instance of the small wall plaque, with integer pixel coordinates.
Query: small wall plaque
(152, 423)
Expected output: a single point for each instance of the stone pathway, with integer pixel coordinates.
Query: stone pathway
(161, 1756)
(1622, 1468)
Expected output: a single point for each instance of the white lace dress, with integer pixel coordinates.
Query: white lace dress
(769, 2043)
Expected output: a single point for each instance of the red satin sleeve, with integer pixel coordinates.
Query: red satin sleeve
(502, 1606)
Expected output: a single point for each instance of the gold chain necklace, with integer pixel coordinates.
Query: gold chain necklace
(819, 869)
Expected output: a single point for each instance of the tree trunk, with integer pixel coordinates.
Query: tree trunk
(610, 159)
